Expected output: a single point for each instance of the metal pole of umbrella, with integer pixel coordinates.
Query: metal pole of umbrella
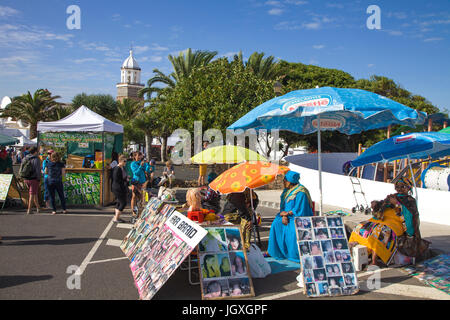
(414, 181)
(319, 159)
(255, 228)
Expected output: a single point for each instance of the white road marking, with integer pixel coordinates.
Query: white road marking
(108, 260)
(124, 225)
(94, 249)
(113, 242)
(405, 290)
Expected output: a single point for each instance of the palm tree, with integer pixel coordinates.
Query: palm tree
(187, 61)
(264, 68)
(128, 109)
(183, 65)
(41, 106)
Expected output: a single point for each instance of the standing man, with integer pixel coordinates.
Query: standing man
(202, 168)
(295, 202)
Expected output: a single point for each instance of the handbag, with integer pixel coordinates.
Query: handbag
(412, 246)
(259, 267)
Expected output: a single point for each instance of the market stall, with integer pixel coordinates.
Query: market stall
(88, 142)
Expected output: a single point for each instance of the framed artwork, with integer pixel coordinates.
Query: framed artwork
(326, 262)
(223, 265)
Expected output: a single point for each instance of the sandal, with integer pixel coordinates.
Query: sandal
(53, 213)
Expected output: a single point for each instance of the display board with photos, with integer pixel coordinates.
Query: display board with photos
(5, 183)
(326, 262)
(223, 265)
(159, 242)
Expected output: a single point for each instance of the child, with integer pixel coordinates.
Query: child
(168, 173)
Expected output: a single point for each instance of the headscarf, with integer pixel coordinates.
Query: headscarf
(292, 176)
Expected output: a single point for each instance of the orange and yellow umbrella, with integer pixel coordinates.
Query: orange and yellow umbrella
(247, 175)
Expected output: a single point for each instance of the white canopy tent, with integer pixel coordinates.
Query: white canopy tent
(82, 120)
(24, 141)
(87, 121)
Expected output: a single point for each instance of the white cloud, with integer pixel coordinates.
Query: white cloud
(296, 2)
(438, 22)
(151, 59)
(273, 3)
(116, 17)
(275, 11)
(7, 12)
(287, 25)
(312, 25)
(395, 33)
(140, 49)
(157, 47)
(156, 59)
(318, 46)
(20, 36)
(433, 39)
(335, 5)
(370, 65)
(397, 15)
(80, 61)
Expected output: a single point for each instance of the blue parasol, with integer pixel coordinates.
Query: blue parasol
(349, 111)
(418, 145)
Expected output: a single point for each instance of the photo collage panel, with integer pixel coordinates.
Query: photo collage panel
(325, 258)
(223, 265)
(161, 255)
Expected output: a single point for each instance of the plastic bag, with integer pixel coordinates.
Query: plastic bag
(259, 267)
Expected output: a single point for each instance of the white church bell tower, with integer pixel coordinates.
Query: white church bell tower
(130, 78)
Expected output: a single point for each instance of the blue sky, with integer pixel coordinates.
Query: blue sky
(38, 51)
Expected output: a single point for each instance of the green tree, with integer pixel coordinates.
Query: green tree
(41, 106)
(217, 94)
(103, 104)
(183, 65)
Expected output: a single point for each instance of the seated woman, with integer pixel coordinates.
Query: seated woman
(237, 210)
(295, 202)
(394, 230)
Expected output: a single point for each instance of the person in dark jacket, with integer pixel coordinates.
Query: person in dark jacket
(33, 180)
(120, 187)
(55, 170)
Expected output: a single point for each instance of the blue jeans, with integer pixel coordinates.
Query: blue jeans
(46, 189)
(58, 187)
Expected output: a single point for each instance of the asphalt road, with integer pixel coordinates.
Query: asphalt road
(37, 251)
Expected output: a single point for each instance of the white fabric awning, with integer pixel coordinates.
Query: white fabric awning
(82, 120)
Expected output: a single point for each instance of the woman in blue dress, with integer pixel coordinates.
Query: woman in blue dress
(295, 202)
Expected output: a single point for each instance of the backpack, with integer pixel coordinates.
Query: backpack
(26, 169)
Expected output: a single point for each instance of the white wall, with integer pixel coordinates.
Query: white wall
(434, 206)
